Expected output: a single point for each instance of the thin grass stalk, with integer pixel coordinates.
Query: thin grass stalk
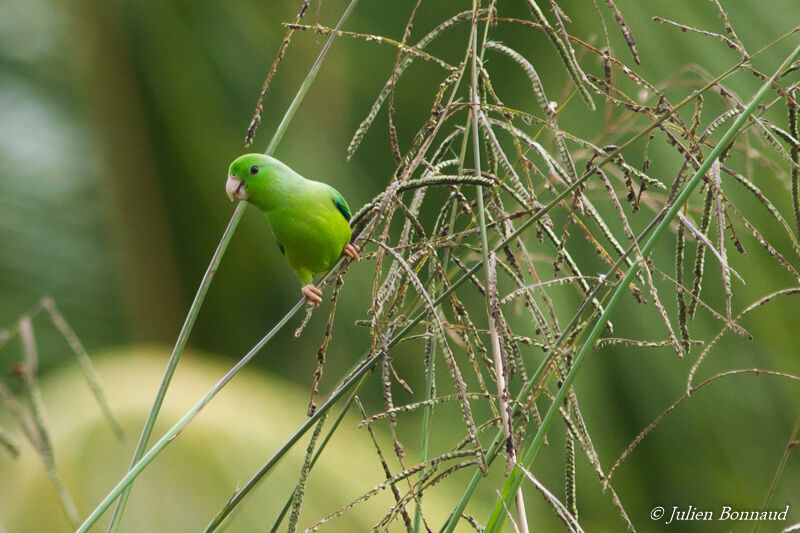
(680, 248)
(498, 517)
(19, 415)
(45, 445)
(205, 283)
(794, 129)
(400, 502)
(792, 442)
(487, 268)
(8, 443)
(572, 67)
(464, 140)
(173, 432)
(456, 514)
(566, 515)
(427, 415)
(721, 254)
(570, 484)
(299, 490)
(435, 400)
(700, 256)
(502, 386)
(429, 478)
(361, 132)
(256, 120)
(361, 373)
(689, 394)
(320, 448)
(430, 374)
(310, 77)
(405, 474)
(84, 362)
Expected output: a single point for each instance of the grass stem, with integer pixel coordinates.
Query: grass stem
(792, 442)
(208, 277)
(43, 441)
(498, 517)
(497, 356)
(491, 453)
(177, 351)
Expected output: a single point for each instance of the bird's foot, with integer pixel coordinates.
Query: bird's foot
(313, 295)
(351, 250)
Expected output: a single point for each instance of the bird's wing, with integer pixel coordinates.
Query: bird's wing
(340, 203)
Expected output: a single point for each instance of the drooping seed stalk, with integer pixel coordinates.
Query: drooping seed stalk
(502, 390)
(42, 440)
(493, 449)
(498, 517)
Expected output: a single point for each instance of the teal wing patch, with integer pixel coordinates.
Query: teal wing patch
(280, 247)
(341, 204)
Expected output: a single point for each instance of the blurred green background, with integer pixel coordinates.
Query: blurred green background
(118, 120)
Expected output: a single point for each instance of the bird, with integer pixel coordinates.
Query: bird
(309, 219)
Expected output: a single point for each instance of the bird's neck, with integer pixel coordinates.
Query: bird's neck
(276, 191)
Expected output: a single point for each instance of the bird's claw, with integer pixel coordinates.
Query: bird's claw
(313, 295)
(351, 250)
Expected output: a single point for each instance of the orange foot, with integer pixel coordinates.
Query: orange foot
(313, 295)
(351, 250)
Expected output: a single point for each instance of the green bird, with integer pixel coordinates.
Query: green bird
(309, 219)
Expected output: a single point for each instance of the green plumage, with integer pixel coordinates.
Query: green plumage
(309, 219)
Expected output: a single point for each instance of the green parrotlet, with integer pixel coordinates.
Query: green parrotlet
(309, 219)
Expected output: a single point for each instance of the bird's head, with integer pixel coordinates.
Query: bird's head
(248, 175)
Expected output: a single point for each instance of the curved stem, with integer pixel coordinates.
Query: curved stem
(208, 277)
(498, 517)
(172, 364)
(455, 515)
(181, 424)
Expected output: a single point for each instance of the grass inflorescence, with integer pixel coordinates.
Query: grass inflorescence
(474, 278)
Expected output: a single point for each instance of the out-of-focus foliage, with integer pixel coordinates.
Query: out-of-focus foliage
(200, 470)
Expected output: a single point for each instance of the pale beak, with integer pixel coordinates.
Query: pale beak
(234, 187)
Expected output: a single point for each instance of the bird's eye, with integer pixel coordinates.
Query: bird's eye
(254, 169)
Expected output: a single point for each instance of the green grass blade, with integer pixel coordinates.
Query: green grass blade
(170, 435)
(455, 516)
(367, 367)
(208, 277)
(427, 415)
(301, 93)
(515, 479)
(172, 364)
(44, 443)
(219, 518)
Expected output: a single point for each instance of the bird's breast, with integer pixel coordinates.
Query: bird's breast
(312, 237)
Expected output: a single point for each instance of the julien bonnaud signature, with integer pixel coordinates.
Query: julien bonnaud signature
(691, 513)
